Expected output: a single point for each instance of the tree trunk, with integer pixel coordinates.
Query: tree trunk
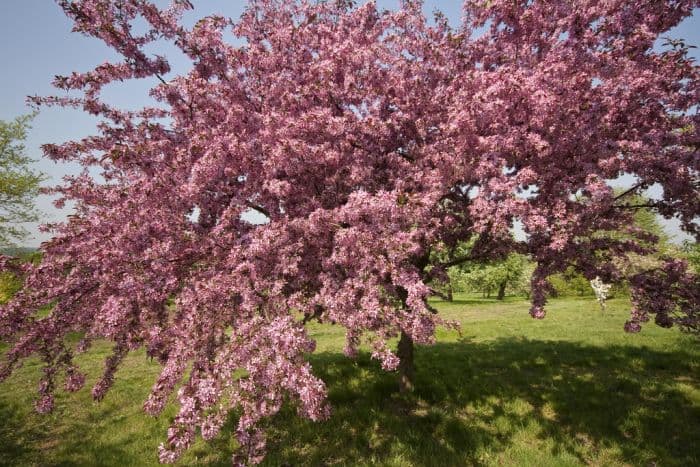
(449, 292)
(501, 291)
(406, 366)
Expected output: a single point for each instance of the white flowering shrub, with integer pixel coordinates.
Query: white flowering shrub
(601, 290)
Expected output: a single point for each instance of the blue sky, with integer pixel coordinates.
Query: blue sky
(37, 45)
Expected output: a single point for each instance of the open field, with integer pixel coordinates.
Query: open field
(571, 389)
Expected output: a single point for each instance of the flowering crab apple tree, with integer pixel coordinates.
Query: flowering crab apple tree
(373, 143)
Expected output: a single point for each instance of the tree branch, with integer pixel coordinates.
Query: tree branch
(459, 260)
(437, 293)
(258, 208)
(318, 311)
(627, 192)
(637, 206)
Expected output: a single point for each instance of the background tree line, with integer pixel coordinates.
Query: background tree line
(511, 275)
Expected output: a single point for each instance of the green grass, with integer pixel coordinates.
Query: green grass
(571, 389)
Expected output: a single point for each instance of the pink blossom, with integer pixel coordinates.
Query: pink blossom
(327, 169)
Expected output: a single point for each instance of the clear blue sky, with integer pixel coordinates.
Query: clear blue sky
(36, 44)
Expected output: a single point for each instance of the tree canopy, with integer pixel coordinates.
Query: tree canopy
(489, 277)
(368, 140)
(19, 184)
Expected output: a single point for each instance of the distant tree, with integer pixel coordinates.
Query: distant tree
(645, 229)
(490, 277)
(653, 241)
(522, 287)
(9, 284)
(645, 220)
(691, 252)
(19, 184)
(570, 282)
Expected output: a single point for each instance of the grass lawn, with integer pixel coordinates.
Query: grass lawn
(571, 389)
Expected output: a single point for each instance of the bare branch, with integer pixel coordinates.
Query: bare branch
(259, 209)
(627, 192)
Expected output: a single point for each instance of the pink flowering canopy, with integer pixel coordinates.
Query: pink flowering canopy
(372, 143)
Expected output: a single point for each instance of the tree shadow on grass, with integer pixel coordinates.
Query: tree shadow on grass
(575, 401)
(504, 401)
(27, 440)
(79, 432)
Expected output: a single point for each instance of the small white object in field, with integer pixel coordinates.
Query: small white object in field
(601, 290)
